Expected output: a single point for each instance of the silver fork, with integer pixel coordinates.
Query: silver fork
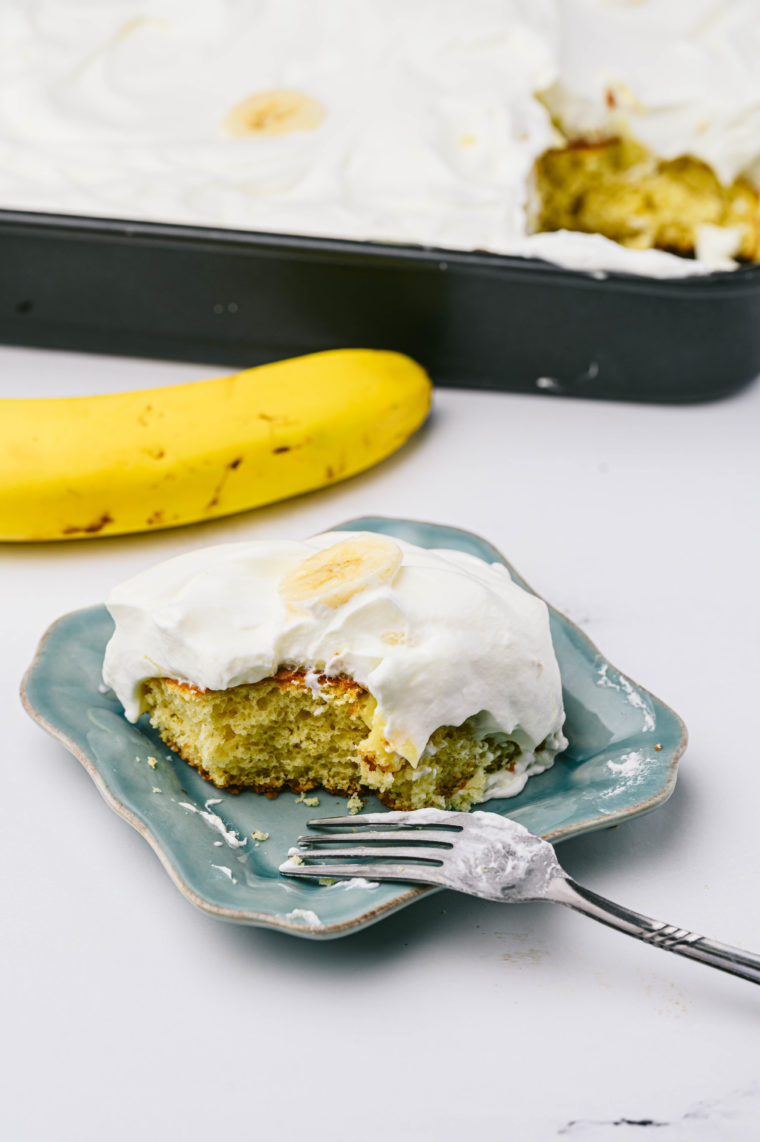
(483, 854)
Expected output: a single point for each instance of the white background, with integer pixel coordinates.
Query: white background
(127, 1014)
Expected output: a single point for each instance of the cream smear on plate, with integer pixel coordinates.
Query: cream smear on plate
(422, 124)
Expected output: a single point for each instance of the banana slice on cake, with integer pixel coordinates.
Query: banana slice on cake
(277, 112)
(333, 576)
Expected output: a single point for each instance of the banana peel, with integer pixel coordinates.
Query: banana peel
(78, 467)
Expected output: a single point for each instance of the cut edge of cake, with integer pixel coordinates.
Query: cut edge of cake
(615, 186)
(298, 730)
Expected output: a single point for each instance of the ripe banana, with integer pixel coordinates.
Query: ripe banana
(333, 576)
(75, 467)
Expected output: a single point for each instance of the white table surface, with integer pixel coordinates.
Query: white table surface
(128, 1014)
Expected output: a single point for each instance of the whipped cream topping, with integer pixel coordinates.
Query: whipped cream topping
(425, 119)
(680, 77)
(445, 637)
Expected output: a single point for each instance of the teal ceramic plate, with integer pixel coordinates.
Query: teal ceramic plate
(621, 761)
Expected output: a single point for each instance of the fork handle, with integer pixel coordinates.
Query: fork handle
(564, 890)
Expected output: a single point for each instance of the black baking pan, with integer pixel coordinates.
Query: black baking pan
(474, 320)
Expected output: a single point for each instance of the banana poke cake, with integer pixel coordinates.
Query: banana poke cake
(595, 134)
(352, 661)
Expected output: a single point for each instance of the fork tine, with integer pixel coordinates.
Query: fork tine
(417, 874)
(390, 820)
(397, 852)
(382, 836)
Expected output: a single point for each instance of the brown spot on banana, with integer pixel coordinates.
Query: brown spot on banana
(90, 528)
(230, 467)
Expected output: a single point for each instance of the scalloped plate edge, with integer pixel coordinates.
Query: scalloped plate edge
(234, 915)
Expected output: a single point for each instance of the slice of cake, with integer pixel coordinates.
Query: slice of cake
(352, 661)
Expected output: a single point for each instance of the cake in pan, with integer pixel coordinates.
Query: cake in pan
(595, 134)
(354, 662)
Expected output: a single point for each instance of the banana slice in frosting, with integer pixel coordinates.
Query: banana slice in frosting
(333, 576)
(278, 112)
